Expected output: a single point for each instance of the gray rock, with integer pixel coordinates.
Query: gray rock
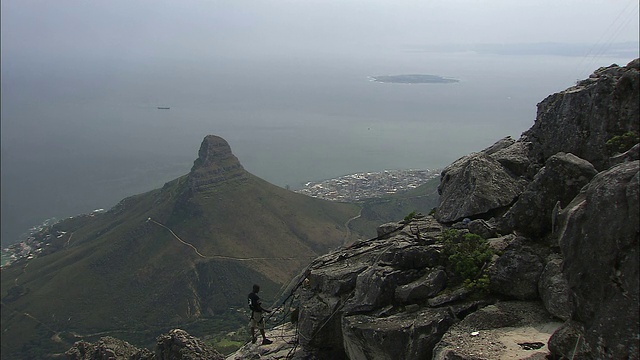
(500, 244)
(388, 228)
(402, 336)
(517, 160)
(412, 257)
(320, 323)
(554, 289)
(568, 342)
(560, 179)
(499, 145)
(581, 119)
(458, 294)
(179, 345)
(629, 155)
(516, 274)
(422, 289)
(482, 228)
(475, 185)
(599, 241)
(175, 345)
(375, 288)
(107, 348)
(335, 280)
(494, 332)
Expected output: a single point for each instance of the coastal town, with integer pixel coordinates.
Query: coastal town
(43, 238)
(39, 240)
(367, 185)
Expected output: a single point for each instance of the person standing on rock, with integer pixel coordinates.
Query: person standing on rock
(257, 319)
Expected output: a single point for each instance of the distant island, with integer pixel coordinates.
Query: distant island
(414, 79)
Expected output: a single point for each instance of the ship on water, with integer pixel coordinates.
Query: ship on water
(163, 108)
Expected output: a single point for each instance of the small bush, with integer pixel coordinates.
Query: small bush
(410, 216)
(622, 143)
(467, 255)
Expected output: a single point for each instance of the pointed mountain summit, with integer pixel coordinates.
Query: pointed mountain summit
(215, 163)
(184, 256)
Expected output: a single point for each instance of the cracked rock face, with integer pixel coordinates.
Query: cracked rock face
(175, 345)
(475, 185)
(581, 119)
(599, 241)
(215, 163)
(559, 180)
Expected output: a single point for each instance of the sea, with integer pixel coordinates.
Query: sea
(77, 136)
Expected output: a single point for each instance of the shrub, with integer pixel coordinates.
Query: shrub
(467, 255)
(622, 143)
(410, 216)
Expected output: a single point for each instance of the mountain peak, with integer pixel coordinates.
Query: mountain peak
(215, 163)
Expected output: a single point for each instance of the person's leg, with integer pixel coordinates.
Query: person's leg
(265, 341)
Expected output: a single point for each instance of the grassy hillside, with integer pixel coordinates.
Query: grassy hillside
(119, 273)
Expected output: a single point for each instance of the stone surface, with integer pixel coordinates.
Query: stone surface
(376, 286)
(517, 160)
(495, 332)
(107, 348)
(599, 241)
(554, 289)
(215, 164)
(582, 118)
(475, 185)
(422, 289)
(175, 345)
(179, 345)
(482, 228)
(516, 273)
(560, 179)
(403, 336)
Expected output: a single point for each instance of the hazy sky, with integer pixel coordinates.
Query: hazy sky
(285, 82)
(138, 30)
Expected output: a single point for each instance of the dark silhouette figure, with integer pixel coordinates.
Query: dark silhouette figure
(257, 318)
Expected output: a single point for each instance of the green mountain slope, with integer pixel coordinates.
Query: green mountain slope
(173, 256)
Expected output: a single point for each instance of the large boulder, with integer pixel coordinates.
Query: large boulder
(516, 159)
(598, 237)
(179, 345)
(422, 289)
(475, 185)
(516, 273)
(403, 336)
(107, 348)
(582, 118)
(175, 345)
(560, 180)
(554, 289)
(376, 287)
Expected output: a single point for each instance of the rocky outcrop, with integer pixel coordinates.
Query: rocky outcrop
(408, 335)
(558, 182)
(554, 289)
(215, 164)
(107, 348)
(175, 345)
(582, 118)
(475, 185)
(515, 274)
(564, 231)
(599, 242)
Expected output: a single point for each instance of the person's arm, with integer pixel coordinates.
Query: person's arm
(261, 308)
